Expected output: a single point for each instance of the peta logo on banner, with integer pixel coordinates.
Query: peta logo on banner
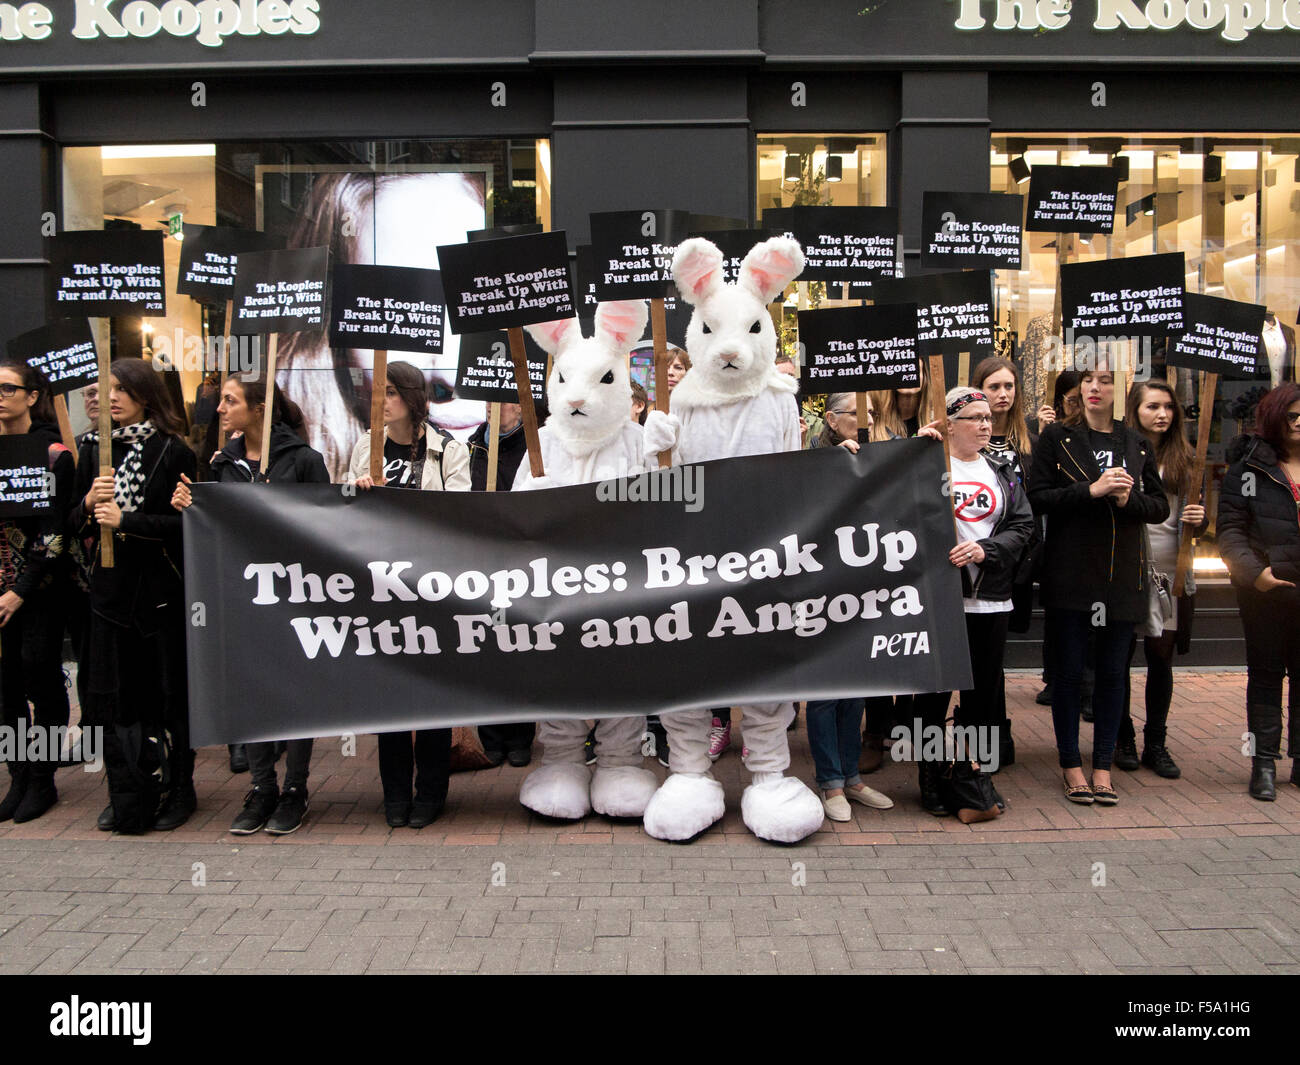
(210, 22)
(1234, 19)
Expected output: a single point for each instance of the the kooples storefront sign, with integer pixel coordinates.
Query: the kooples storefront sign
(209, 22)
(1234, 19)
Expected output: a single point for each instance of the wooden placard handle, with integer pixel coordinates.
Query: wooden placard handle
(1209, 385)
(863, 407)
(659, 331)
(494, 445)
(378, 387)
(270, 400)
(65, 425)
(225, 369)
(519, 356)
(938, 413)
(105, 449)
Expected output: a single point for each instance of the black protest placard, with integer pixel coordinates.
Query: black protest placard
(64, 352)
(971, 230)
(281, 292)
(1072, 199)
(521, 229)
(389, 308)
(509, 282)
(854, 244)
(1121, 298)
(102, 273)
(26, 483)
(1221, 336)
(712, 223)
(584, 281)
(633, 252)
(858, 349)
(735, 244)
(209, 258)
(487, 374)
(435, 609)
(954, 312)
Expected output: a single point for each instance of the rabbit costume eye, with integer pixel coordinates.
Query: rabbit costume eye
(704, 326)
(757, 327)
(608, 379)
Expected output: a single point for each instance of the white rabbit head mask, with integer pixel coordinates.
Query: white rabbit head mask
(731, 340)
(589, 391)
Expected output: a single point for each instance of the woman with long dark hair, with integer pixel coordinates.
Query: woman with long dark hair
(135, 657)
(1259, 539)
(1153, 410)
(289, 461)
(415, 456)
(34, 599)
(1096, 482)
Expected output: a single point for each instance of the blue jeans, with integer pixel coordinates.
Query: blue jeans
(835, 736)
(1071, 629)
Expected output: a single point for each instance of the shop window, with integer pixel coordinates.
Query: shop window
(1230, 204)
(385, 202)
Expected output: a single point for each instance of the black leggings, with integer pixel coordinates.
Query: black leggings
(1271, 621)
(1159, 653)
(31, 664)
(429, 757)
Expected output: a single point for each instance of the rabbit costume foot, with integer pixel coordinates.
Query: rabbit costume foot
(780, 809)
(684, 806)
(622, 791)
(559, 790)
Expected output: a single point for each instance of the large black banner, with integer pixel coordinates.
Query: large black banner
(693, 587)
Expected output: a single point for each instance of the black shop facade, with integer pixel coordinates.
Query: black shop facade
(387, 128)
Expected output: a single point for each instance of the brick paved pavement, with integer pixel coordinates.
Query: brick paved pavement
(1197, 877)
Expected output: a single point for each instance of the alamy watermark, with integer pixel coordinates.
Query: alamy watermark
(182, 351)
(48, 743)
(920, 742)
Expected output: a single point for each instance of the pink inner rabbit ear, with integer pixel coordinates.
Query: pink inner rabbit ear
(697, 269)
(770, 266)
(550, 335)
(621, 323)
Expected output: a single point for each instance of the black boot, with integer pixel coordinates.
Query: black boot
(40, 794)
(1265, 725)
(182, 801)
(107, 820)
(238, 758)
(928, 779)
(19, 773)
(1006, 746)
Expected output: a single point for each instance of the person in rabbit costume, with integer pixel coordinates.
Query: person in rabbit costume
(733, 401)
(589, 437)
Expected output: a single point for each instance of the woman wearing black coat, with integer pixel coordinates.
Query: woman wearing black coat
(135, 656)
(289, 461)
(1096, 483)
(1259, 539)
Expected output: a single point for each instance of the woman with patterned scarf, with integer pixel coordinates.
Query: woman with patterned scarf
(135, 660)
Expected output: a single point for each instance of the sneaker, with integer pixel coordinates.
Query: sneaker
(659, 739)
(289, 812)
(1157, 758)
(744, 752)
(719, 739)
(1126, 755)
(589, 748)
(259, 804)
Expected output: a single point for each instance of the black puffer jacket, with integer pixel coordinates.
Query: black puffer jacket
(291, 461)
(1004, 549)
(1094, 548)
(1257, 527)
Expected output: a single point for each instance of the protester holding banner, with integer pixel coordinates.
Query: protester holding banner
(1259, 539)
(1153, 410)
(1011, 439)
(1096, 482)
(136, 685)
(835, 725)
(290, 461)
(415, 456)
(34, 597)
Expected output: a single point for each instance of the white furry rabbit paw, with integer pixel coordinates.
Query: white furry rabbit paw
(536, 484)
(661, 432)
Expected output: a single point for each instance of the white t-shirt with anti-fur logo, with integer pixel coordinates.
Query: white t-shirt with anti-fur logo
(978, 503)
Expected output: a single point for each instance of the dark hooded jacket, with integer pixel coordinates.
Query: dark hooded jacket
(291, 461)
(1005, 548)
(1259, 519)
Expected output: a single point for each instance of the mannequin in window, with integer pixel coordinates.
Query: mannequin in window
(1279, 350)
